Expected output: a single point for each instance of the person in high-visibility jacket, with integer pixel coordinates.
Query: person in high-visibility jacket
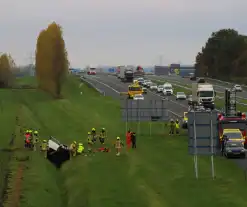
(102, 136)
(80, 149)
(118, 145)
(177, 126)
(94, 135)
(73, 149)
(44, 148)
(35, 140)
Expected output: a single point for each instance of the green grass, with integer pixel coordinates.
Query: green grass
(158, 173)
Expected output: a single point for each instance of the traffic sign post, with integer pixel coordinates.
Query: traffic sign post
(230, 102)
(203, 136)
(144, 111)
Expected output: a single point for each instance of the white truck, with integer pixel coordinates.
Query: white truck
(167, 89)
(206, 95)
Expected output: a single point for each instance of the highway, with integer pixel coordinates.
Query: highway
(219, 86)
(113, 86)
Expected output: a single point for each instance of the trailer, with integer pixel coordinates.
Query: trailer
(126, 74)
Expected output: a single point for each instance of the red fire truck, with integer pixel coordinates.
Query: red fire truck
(232, 122)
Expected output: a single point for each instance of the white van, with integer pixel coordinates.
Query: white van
(167, 90)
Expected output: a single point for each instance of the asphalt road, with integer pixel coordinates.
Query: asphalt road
(220, 87)
(113, 86)
(107, 82)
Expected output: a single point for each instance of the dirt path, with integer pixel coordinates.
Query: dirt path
(13, 197)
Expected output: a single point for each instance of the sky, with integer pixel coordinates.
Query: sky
(113, 32)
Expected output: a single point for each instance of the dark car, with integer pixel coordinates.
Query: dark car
(234, 149)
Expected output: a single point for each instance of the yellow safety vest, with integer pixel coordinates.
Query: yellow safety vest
(177, 125)
(80, 149)
(44, 146)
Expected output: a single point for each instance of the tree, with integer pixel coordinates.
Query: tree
(51, 59)
(218, 56)
(6, 64)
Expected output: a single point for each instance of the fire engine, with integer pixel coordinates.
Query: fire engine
(232, 122)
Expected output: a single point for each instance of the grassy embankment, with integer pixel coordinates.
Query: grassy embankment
(158, 173)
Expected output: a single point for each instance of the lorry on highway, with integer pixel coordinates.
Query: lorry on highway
(126, 74)
(139, 71)
(91, 70)
(206, 95)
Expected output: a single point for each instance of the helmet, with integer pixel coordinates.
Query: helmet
(103, 129)
(80, 144)
(27, 131)
(89, 133)
(74, 142)
(177, 120)
(93, 129)
(118, 138)
(36, 132)
(44, 140)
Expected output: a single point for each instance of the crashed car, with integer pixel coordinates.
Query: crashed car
(57, 153)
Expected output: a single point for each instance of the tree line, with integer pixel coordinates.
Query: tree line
(224, 56)
(51, 61)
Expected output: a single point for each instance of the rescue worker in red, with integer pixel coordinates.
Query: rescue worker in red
(128, 139)
(27, 139)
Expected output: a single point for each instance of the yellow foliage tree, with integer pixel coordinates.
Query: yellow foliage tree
(51, 59)
(6, 65)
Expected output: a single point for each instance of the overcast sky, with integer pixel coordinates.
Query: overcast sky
(119, 32)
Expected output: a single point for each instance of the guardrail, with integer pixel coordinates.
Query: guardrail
(91, 85)
(219, 97)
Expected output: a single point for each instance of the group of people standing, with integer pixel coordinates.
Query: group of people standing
(131, 139)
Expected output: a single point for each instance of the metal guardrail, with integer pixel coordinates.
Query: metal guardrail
(219, 97)
(91, 85)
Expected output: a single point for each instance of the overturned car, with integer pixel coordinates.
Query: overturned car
(57, 153)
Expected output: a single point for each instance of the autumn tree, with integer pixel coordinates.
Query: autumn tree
(51, 59)
(6, 66)
(223, 56)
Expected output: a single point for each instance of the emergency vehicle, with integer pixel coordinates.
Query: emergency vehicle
(232, 123)
(133, 90)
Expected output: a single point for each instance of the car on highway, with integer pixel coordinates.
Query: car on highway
(180, 96)
(148, 84)
(153, 86)
(138, 97)
(234, 149)
(160, 88)
(145, 90)
(189, 99)
(237, 88)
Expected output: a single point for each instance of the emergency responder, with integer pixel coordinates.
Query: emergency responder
(73, 149)
(102, 136)
(80, 149)
(172, 127)
(89, 142)
(128, 139)
(223, 142)
(118, 146)
(93, 133)
(177, 126)
(133, 139)
(35, 140)
(31, 138)
(44, 148)
(27, 140)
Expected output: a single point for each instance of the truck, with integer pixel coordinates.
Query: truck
(139, 72)
(91, 70)
(206, 95)
(126, 74)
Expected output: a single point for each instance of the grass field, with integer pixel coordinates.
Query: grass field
(158, 173)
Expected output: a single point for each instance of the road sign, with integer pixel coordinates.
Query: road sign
(144, 110)
(203, 133)
(230, 102)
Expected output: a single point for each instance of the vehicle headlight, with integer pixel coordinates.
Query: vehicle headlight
(229, 150)
(243, 150)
